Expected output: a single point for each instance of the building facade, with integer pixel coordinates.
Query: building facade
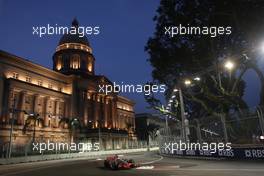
(62, 104)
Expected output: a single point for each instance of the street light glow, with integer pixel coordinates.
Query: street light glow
(187, 82)
(262, 47)
(197, 79)
(175, 90)
(229, 65)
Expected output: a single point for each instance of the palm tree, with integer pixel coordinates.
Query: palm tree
(71, 124)
(32, 120)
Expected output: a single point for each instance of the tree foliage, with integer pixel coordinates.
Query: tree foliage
(181, 56)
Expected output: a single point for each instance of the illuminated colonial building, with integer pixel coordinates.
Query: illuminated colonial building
(65, 101)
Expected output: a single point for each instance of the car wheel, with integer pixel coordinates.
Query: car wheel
(113, 166)
(106, 164)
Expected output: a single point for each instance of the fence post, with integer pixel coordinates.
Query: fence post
(223, 120)
(261, 121)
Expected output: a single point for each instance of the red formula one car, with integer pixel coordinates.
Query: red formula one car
(115, 163)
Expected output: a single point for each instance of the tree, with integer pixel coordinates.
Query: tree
(182, 56)
(72, 124)
(32, 121)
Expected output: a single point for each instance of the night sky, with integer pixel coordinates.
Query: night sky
(125, 27)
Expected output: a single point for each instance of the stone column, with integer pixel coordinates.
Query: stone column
(1, 95)
(57, 112)
(113, 107)
(46, 112)
(66, 108)
(8, 103)
(21, 107)
(134, 122)
(36, 99)
(105, 112)
(85, 111)
(96, 110)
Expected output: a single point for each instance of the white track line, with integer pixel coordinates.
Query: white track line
(249, 170)
(150, 162)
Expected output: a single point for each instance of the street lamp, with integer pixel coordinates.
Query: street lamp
(175, 90)
(229, 65)
(11, 129)
(197, 79)
(187, 82)
(73, 123)
(183, 118)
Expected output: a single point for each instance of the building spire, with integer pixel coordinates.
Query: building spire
(75, 23)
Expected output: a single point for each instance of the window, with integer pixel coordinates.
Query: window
(27, 99)
(50, 104)
(75, 61)
(28, 79)
(15, 75)
(59, 63)
(50, 86)
(90, 67)
(40, 82)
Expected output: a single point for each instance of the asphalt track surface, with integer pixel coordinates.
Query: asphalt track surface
(151, 165)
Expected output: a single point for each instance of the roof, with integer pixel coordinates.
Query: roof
(74, 37)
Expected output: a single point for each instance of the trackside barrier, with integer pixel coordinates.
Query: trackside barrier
(241, 153)
(89, 155)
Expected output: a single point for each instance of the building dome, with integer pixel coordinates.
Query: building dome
(74, 40)
(73, 54)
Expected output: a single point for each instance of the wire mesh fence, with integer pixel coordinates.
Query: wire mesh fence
(244, 127)
(28, 149)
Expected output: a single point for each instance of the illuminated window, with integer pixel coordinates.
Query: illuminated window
(59, 63)
(88, 96)
(28, 79)
(90, 67)
(75, 61)
(40, 83)
(15, 75)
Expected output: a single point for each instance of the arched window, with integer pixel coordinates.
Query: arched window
(59, 63)
(75, 61)
(90, 67)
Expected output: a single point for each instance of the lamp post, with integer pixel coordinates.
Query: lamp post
(261, 120)
(99, 133)
(73, 122)
(11, 130)
(183, 118)
(99, 129)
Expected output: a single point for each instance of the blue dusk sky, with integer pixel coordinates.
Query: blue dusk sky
(125, 26)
